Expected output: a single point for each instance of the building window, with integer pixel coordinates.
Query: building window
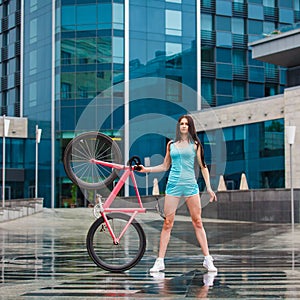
(272, 138)
(286, 15)
(33, 31)
(235, 137)
(33, 5)
(118, 16)
(32, 62)
(238, 91)
(86, 14)
(174, 1)
(68, 16)
(173, 48)
(268, 27)
(83, 92)
(224, 7)
(224, 39)
(104, 16)
(65, 58)
(174, 88)
(285, 3)
(223, 55)
(238, 25)
(206, 22)
(118, 50)
(269, 3)
(65, 90)
(207, 91)
(223, 23)
(32, 94)
(255, 11)
(173, 22)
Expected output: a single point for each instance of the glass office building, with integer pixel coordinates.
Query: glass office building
(57, 57)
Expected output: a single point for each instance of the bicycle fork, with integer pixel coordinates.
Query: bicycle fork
(116, 240)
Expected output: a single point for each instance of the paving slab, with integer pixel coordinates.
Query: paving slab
(43, 256)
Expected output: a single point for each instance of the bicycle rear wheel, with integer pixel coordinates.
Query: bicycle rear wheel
(111, 257)
(78, 155)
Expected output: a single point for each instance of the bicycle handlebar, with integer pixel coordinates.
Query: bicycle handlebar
(136, 161)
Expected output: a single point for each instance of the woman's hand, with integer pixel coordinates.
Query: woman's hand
(140, 168)
(212, 195)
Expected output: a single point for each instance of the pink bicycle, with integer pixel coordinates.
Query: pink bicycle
(115, 241)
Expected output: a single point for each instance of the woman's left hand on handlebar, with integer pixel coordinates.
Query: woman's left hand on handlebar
(140, 168)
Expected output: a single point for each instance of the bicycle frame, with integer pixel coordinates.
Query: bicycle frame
(105, 207)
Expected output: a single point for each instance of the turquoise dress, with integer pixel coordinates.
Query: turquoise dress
(182, 180)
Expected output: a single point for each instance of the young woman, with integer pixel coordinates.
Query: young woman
(181, 155)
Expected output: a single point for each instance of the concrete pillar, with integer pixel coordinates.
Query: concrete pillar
(292, 117)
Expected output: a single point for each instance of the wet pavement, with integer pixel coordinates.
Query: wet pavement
(44, 256)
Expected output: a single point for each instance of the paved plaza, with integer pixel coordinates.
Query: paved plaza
(44, 256)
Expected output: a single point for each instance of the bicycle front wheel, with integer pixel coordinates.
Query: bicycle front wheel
(78, 155)
(120, 257)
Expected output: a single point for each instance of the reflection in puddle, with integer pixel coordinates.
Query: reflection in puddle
(255, 261)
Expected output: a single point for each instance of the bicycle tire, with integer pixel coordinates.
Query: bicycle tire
(83, 148)
(111, 257)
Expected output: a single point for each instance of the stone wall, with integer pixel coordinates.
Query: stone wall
(272, 205)
(19, 208)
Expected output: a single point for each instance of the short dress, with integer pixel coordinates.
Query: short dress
(182, 180)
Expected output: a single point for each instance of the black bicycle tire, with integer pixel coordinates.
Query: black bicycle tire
(83, 139)
(101, 263)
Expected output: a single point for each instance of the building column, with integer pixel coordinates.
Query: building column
(292, 118)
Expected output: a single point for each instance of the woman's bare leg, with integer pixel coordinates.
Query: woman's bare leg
(194, 206)
(170, 207)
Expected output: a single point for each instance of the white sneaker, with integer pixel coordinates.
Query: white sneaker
(208, 278)
(159, 265)
(209, 265)
(158, 275)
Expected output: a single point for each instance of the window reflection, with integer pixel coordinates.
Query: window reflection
(33, 31)
(104, 15)
(118, 50)
(173, 48)
(86, 14)
(206, 22)
(173, 22)
(272, 138)
(174, 1)
(118, 16)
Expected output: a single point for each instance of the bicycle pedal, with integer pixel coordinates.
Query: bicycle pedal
(103, 228)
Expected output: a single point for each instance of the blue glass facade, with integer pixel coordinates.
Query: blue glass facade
(37, 102)
(227, 67)
(89, 59)
(254, 149)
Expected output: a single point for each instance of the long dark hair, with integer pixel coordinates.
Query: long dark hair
(192, 135)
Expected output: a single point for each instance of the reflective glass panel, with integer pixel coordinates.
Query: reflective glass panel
(206, 22)
(223, 23)
(255, 11)
(224, 39)
(118, 50)
(68, 16)
(238, 25)
(118, 16)
(86, 14)
(224, 7)
(173, 22)
(173, 48)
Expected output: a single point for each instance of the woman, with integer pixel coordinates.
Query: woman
(181, 155)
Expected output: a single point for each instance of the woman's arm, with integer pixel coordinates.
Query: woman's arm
(205, 174)
(159, 168)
